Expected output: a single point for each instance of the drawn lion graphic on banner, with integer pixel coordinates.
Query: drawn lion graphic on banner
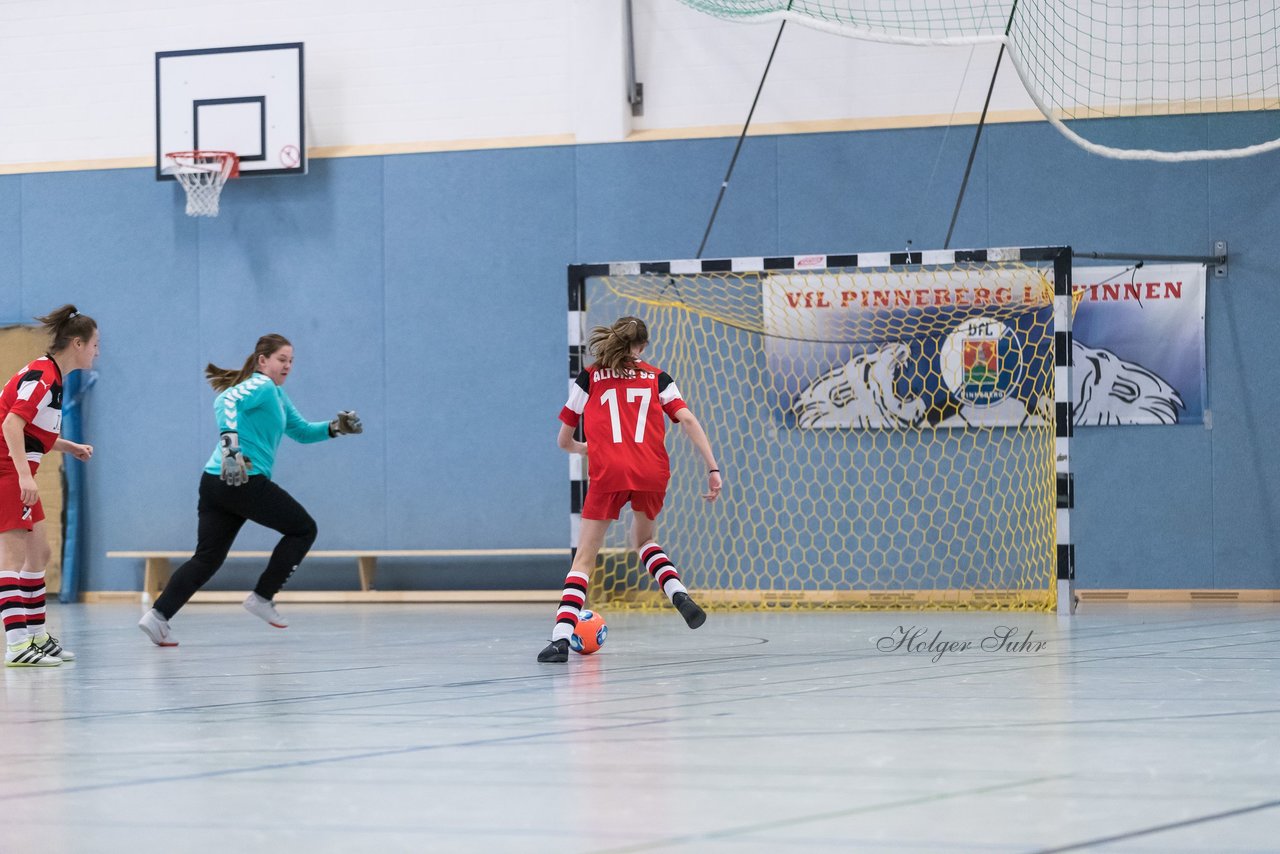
(1110, 390)
(861, 394)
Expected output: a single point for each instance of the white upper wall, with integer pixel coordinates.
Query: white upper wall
(700, 70)
(77, 76)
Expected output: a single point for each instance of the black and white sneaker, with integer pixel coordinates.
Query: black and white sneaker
(693, 615)
(29, 655)
(556, 652)
(51, 646)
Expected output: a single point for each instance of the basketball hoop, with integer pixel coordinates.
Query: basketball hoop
(202, 174)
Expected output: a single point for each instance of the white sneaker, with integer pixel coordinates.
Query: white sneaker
(265, 610)
(50, 646)
(29, 655)
(156, 627)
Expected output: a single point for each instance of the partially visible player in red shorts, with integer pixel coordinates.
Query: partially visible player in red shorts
(620, 402)
(31, 419)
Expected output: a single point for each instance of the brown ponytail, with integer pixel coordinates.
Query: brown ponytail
(224, 378)
(611, 345)
(65, 325)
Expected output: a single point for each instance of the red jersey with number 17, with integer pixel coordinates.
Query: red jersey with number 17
(621, 416)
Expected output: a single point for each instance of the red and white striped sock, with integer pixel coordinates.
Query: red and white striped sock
(32, 584)
(13, 610)
(661, 569)
(571, 602)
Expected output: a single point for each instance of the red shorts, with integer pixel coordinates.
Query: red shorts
(606, 505)
(13, 515)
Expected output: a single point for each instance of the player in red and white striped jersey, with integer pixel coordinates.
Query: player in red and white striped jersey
(620, 402)
(31, 420)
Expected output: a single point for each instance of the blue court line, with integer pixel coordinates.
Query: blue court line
(1160, 828)
(1003, 725)
(333, 695)
(307, 763)
(823, 816)
(951, 671)
(862, 679)
(921, 670)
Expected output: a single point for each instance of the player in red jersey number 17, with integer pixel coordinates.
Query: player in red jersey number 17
(614, 400)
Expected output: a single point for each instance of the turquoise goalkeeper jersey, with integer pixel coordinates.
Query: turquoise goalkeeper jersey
(260, 412)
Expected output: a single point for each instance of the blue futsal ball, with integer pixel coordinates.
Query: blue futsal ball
(588, 636)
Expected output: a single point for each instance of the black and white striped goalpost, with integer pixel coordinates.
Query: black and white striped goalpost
(1059, 256)
(1063, 361)
(578, 275)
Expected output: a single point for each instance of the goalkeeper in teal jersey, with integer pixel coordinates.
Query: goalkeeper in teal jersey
(253, 414)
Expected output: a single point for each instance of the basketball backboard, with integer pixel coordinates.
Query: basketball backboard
(248, 100)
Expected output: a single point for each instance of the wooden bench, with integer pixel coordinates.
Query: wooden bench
(159, 566)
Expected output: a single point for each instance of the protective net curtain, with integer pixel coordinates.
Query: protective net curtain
(1091, 60)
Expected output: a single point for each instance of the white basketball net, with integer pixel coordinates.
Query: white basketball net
(202, 174)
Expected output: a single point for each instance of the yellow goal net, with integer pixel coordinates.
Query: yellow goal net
(887, 427)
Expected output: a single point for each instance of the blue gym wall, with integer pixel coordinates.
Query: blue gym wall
(428, 292)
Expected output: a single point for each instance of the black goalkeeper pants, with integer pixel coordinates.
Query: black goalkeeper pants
(223, 511)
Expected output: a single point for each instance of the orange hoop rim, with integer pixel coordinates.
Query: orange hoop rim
(222, 156)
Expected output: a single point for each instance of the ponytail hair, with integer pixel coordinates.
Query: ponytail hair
(611, 345)
(65, 325)
(224, 378)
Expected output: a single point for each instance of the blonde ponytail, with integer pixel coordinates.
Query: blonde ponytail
(612, 345)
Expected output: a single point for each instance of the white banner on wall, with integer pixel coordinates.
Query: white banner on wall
(896, 349)
(1140, 352)
(912, 348)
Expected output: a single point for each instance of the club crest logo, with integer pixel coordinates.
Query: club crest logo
(982, 361)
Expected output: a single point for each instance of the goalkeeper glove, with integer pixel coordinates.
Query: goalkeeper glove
(235, 468)
(345, 421)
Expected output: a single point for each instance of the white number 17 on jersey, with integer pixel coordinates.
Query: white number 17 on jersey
(610, 399)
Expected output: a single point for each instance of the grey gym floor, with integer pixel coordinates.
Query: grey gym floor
(431, 728)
